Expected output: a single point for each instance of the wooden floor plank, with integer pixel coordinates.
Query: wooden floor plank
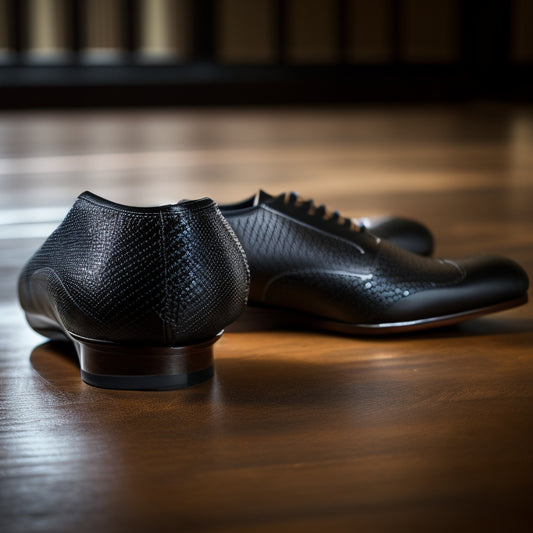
(299, 430)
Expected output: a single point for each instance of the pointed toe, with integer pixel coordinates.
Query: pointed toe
(499, 277)
(489, 283)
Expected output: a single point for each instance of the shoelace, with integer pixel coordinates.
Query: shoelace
(292, 198)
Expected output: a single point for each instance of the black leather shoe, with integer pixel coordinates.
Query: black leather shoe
(143, 293)
(317, 269)
(403, 232)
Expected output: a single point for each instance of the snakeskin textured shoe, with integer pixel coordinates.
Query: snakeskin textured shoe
(312, 268)
(403, 232)
(143, 293)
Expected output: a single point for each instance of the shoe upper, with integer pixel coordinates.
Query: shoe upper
(169, 275)
(403, 232)
(305, 258)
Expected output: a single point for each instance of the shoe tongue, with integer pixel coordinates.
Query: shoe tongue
(261, 197)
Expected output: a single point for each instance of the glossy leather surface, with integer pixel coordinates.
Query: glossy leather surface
(170, 275)
(488, 280)
(321, 265)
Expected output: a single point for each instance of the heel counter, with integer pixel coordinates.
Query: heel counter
(208, 275)
(108, 281)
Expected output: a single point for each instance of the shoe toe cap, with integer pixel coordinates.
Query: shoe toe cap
(493, 278)
(487, 281)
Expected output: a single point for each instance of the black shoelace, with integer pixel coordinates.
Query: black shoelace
(292, 198)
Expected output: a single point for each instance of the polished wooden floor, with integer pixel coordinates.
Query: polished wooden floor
(299, 431)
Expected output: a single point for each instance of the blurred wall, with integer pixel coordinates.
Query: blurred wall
(177, 52)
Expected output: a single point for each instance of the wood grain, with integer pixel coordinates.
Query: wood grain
(299, 431)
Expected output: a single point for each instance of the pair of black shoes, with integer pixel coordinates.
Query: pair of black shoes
(143, 293)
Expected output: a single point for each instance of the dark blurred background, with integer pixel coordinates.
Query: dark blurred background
(82, 53)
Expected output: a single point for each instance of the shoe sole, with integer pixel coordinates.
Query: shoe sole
(258, 318)
(134, 367)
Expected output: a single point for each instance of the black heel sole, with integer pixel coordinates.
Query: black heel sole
(138, 367)
(155, 383)
(111, 365)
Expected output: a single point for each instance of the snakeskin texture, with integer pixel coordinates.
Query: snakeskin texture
(169, 275)
(325, 269)
(403, 232)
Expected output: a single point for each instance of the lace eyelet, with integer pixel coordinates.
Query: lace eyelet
(327, 216)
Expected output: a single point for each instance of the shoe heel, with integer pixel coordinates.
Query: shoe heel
(138, 367)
